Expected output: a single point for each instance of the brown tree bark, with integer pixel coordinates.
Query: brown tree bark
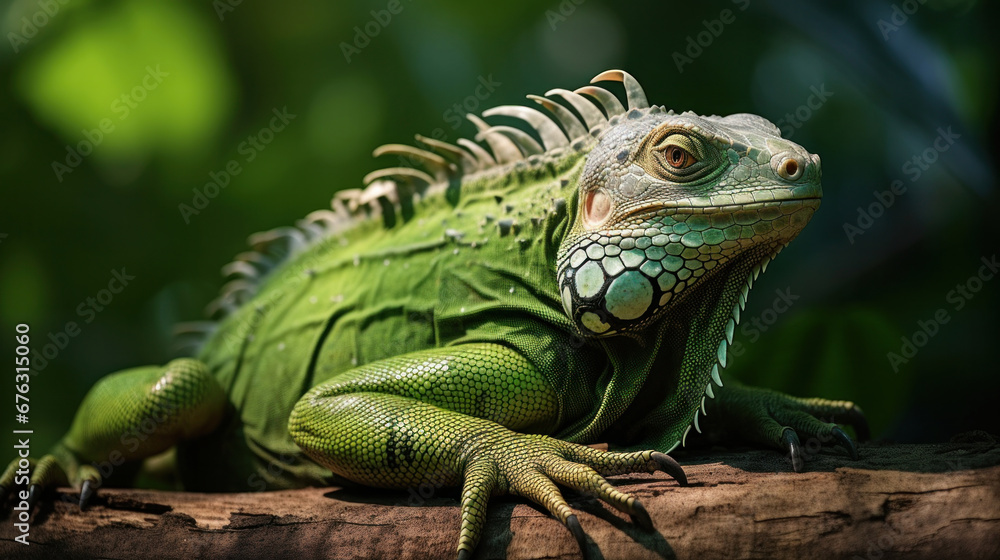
(912, 501)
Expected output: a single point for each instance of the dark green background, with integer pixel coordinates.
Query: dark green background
(119, 208)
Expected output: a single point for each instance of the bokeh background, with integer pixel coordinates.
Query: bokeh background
(868, 85)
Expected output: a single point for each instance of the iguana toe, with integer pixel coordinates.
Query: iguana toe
(532, 466)
(46, 474)
(58, 469)
(586, 480)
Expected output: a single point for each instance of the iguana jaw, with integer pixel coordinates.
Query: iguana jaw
(685, 206)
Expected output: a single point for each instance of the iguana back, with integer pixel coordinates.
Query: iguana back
(476, 253)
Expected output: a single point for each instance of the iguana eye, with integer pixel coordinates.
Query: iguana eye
(678, 157)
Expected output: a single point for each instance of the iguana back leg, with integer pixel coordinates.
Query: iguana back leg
(126, 417)
(448, 417)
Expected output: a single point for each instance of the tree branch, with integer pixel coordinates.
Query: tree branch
(912, 501)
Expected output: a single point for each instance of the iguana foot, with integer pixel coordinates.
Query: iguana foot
(125, 418)
(60, 468)
(782, 421)
(532, 465)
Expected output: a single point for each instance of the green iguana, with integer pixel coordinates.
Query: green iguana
(480, 323)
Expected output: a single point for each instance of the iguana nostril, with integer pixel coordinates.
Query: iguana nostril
(791, 167)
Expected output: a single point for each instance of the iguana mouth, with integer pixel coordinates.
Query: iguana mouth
(671, 208)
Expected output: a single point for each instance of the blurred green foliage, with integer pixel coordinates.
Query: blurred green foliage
(223, 71)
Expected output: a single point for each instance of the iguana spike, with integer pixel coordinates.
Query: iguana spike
(240, 268)
(262, 239)
(256, 258)
(684, 438)
(433, 162)
(232, 288)
(199, 328)
(451, 151)
(572, 125)
(715, 375)
(552, 136)
(404, 173)
(504, 149)
(382, 189)
(697, 428)
(312, 230)
(326, 218)
(592, 116)
(523, 140)
(633, 91)
(482, 155)
(348, 198)
(189, 336)
(339, 208)
(385, 196)
(220, 307)
(612, 107)
(709, 391)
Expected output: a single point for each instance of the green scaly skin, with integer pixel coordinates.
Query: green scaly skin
(483, 333)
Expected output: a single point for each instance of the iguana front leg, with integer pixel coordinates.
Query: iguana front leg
(126, 417)
(454, 414)
(781, 421)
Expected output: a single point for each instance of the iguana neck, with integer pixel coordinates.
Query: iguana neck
(657, 382)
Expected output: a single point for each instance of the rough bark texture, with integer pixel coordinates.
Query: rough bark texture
(926, 501)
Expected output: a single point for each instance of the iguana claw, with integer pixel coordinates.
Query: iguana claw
(670, 466)
(855, 418)
(845, 441)
(34, 492)
(86, 492)
(794, 448)
(574, 527)
(641, 517)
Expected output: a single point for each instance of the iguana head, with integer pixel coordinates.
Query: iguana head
(667, 200)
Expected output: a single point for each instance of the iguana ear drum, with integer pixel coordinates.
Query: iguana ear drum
(596, 207)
